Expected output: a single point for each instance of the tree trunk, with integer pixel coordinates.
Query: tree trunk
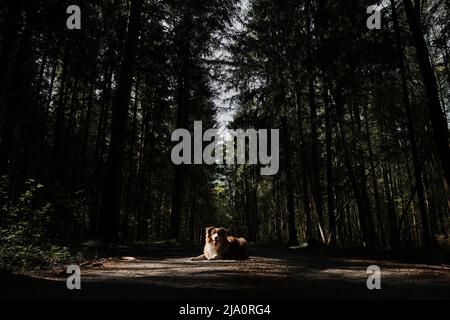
(304, 165)
(360, 192)
(438, 122)
(112, 190)
(315, 181)
(289, 185)
(183, 109)
(59, 118)
(427, 240)
(329, 165)
(374, 180)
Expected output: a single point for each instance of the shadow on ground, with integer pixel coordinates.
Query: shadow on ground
(162, 274)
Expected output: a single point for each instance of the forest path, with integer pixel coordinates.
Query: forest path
(158, 273)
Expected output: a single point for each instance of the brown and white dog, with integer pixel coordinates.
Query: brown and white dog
(220, 246)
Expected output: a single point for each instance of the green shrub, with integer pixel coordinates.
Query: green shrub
(24, 230)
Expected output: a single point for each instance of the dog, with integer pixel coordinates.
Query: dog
(219, 246)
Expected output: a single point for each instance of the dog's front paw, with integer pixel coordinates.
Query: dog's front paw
(200, 257)
(215, 257)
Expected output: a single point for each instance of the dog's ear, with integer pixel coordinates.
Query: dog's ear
(208, 230)
(225, 231)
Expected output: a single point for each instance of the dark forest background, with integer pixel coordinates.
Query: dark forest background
(86, 118)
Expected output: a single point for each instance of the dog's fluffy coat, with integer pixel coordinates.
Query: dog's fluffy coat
(220, 246)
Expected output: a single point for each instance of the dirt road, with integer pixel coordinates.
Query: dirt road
(269, 274)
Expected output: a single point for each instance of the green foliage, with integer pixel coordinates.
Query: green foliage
(25, 224)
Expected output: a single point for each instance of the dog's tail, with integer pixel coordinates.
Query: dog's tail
(242, 242)
(243, 247)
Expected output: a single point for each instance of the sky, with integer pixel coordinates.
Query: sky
(223, 102)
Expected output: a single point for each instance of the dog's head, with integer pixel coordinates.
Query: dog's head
(216, 235)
